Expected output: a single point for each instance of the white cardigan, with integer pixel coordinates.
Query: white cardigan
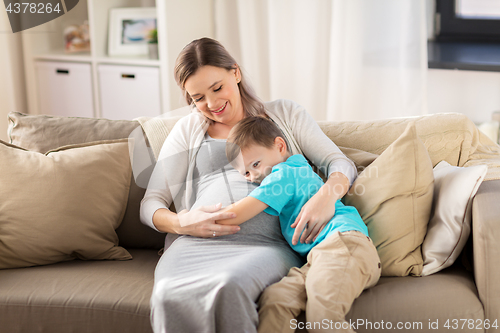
(172, 178)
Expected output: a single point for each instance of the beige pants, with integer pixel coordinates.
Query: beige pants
(337, 270)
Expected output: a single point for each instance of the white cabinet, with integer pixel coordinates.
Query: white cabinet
(158, 93)
(65, 89)
(128, 92)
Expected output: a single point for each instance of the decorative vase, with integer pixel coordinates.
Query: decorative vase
(153, 50)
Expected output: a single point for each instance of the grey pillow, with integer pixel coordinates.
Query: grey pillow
(451, 216)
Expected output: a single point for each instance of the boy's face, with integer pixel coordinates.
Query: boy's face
(256, 162)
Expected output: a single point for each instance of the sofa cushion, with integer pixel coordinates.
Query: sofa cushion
(79, 296)
(450, 137)
(42, 133)
(63, 205)
(446, 296)
(451, 217)
(394, 196)
(408, 304)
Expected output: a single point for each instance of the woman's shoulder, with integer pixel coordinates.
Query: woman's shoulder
(190, 121)
(281, 104)
(284, 109)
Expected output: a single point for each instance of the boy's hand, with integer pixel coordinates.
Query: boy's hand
(312, 220)
(320, 209)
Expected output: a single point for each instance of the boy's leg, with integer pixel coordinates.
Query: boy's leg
(282, 302)
(342, 266)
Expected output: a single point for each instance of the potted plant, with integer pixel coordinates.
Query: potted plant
(153, 44)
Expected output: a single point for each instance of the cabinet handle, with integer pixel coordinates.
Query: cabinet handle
(128, 76)
(62, 71)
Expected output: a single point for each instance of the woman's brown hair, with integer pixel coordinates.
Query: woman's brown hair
(209, 52)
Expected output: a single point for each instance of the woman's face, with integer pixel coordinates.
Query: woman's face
(216, 94)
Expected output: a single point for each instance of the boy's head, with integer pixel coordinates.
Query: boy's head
(254, 146)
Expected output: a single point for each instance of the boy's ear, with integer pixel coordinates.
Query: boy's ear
(281, 144)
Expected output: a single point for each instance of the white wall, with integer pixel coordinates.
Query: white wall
(475, 94)
(12, 88)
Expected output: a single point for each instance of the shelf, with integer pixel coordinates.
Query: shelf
(464, 56)
(62, 56)
(137, 61)
(87, 58)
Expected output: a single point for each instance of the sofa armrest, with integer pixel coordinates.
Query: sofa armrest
(486, 245)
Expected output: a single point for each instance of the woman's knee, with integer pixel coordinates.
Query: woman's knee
(231, 285)
(162, 294)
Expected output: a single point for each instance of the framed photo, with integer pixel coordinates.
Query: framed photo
(129, 29)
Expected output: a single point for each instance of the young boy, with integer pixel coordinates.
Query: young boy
(341, 259)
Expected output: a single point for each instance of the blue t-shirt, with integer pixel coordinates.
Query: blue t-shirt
(288, 187)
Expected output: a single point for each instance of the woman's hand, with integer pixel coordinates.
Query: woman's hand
(320, 209)
(200, 222)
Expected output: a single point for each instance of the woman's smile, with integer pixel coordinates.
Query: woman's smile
(219, 110)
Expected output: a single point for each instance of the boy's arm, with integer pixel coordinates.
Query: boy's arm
(245, 209)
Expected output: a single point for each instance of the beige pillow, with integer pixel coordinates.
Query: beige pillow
(42, 133)
(362, 159)
(394, 196)
(63, 205)
(450, 223)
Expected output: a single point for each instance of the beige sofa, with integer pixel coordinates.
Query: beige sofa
(113, 296)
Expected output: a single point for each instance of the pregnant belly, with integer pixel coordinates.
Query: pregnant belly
(225, 187)
(228, 187)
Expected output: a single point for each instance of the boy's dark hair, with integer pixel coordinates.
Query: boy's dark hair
(249, 131)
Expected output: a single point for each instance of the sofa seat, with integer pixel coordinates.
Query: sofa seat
(415, 300)
(79, 296)
(113, 296)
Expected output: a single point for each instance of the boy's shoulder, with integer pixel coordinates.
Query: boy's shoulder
(295, 166)
(293, 162)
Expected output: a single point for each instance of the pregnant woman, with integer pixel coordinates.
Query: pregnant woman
(211, 275)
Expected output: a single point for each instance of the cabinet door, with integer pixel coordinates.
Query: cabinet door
(128, 92)
(65, 89)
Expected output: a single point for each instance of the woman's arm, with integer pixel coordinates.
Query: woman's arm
(244, 209)
(312, 141)
(323, 153)
(167, 179)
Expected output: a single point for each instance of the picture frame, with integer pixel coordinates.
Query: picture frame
(129, 29)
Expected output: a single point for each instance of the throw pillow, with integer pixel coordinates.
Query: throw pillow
(63, 205)
(361, 159)
(450, 223)
(394, 196)
(42, 133)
